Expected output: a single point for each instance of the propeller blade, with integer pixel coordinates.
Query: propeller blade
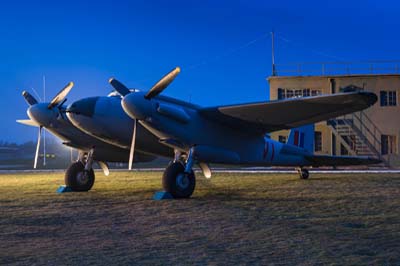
(37, 147)
(162, 83)
(132, 151)
(29, 98)
(119, 87)
(206, 170)
(104, 167)
(61, 95)
(28, 122)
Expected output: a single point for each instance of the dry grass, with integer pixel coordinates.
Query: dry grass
(231, 219)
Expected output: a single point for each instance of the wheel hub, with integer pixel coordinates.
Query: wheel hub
(82, 178)
(182, 181)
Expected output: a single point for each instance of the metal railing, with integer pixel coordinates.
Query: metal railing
(338, 68)
(368, 130)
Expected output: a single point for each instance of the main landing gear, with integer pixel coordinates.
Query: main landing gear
(179, 178)
(304, 174)
(80, 175)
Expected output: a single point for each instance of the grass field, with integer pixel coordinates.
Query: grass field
(252, 219)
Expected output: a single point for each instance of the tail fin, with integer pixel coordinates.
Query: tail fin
(302, 137)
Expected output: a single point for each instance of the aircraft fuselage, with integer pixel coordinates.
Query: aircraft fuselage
(181, 126)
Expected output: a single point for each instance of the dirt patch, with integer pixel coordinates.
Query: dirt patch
(251, 219)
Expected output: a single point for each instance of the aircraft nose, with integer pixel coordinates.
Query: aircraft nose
(41, 114)
(84, 107)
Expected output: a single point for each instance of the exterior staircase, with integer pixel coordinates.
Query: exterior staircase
(358, 135)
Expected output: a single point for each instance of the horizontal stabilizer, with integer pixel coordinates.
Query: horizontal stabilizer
(326, 160)
(28, 122)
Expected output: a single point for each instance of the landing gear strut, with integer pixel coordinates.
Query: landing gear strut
(304, 174)
(179, 178)
(80, 175)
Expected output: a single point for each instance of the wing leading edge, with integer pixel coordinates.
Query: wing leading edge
(285, 114)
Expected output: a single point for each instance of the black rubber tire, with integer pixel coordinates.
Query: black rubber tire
(304, 174)
(169, 181)
(71, 177)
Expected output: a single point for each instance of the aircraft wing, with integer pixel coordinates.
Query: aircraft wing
(327, 160)
(285, 114)
(28, 122)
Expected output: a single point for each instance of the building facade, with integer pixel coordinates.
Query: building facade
(372, 132)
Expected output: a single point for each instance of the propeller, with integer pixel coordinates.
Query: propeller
(118, 86)
(155, 90)
(57, 101)
(29, 98)
(37, 147)
(60, 96)
(132, 151)
(163, 83)
(32, 101)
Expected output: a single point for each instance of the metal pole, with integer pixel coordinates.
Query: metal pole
(44, 131)
(273, 54)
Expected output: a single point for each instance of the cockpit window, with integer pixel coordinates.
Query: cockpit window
(114, 94)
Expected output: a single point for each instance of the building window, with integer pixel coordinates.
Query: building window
(282, 139)
(290, 93)
(306, 92)
(298, 93)
(388, 144)
(388, 98)
(281, 94)
(317, 141)
(392, 98)
(315, 92)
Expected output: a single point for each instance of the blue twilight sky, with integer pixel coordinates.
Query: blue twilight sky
(223, 47)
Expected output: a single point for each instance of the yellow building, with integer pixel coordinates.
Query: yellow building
(373, 132)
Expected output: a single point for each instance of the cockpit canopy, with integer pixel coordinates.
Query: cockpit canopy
(114, 93)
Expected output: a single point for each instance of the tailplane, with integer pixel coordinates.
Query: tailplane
(327, 160)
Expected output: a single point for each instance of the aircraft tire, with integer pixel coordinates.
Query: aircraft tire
(304, 174)
(176, 182)
(78, 179)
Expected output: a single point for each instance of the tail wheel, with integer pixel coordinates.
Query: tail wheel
(304, 174)
(177, 182)
(79, 179)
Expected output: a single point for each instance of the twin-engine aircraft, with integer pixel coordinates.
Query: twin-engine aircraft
(235, 134)
(106, 129)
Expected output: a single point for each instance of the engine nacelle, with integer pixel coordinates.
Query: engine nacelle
(174, 112)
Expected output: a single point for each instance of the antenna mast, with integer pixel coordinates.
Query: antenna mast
(273, 54)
